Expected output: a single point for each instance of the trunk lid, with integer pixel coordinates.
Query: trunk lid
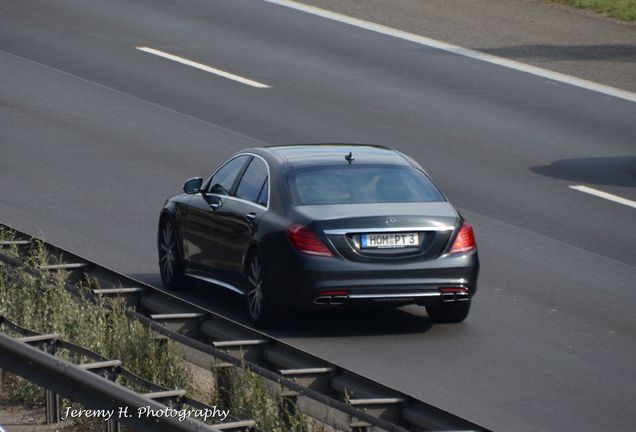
(385, 232)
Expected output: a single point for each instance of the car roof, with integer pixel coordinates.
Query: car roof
(303, 155)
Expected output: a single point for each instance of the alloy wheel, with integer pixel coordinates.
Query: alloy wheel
(255, 288)
(167, 247)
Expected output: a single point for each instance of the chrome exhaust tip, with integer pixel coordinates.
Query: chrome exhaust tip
(330, 300)
(448, 297)
(463, 296)
(322, 300)
(338, 300)
(454, 294)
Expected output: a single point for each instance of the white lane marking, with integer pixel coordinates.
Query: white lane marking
(607, 196)
(203, 67)
(455, 49)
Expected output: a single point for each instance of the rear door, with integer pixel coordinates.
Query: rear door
(206, 214)
(239, 219)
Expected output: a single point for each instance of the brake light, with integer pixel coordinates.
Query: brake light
(454, 290)
(334, 293)
(465, 240)
(306, 241)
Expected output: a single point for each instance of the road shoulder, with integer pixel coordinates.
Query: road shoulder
(558, 38)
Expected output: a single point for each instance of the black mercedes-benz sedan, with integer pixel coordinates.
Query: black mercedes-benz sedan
(321, 226)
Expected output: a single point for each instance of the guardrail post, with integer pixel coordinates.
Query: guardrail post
(113, 426)
(359, 427)
(52, 399)
(52, 406)
(222, 372)
(289, 406)
(1, 371)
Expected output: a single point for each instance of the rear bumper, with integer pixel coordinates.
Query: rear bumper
(441, 295)
(323, 283)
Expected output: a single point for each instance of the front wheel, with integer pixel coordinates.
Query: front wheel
(260, 305)
(449, 312)
(170, 268)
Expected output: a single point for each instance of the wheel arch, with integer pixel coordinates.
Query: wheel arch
(252, 249)
(168, 213)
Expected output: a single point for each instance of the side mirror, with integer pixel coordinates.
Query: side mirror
(193, 185)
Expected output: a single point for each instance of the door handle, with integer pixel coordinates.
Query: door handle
(250, 216)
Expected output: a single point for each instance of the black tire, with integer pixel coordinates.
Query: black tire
(259, 300)
(170, 268)
(449, 312)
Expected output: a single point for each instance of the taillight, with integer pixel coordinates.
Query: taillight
(338, 293)
(465, 240)
(306, 241)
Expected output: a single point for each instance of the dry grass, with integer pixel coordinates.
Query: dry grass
(621, 9)
(42, 304)
(46, 306)
(249, 395)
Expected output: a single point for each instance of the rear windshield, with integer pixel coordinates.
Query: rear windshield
(362, 185)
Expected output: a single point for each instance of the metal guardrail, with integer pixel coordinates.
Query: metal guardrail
(92, 385)
(321, 389)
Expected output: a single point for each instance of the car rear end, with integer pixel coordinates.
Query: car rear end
(361, 260)
(376, 235)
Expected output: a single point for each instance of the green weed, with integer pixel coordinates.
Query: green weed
(41, 303)
(621, 9)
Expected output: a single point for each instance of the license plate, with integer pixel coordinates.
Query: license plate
(389, 240)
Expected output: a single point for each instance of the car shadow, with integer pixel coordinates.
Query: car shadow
(153, 279)
(355, 322)
(614, 52)
(214, 298)
(608, 171)
(335, 323)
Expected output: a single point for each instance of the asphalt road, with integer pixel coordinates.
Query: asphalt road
(550, 35)
(95, 134)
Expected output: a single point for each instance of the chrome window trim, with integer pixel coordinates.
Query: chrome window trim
(241, 200)
(269, 182)
(216, 282)
(392, 229)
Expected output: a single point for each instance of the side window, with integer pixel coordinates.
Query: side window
(222, 181)
(263, 198)
(252, 182)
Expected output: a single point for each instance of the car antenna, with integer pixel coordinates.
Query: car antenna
(349, 158)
